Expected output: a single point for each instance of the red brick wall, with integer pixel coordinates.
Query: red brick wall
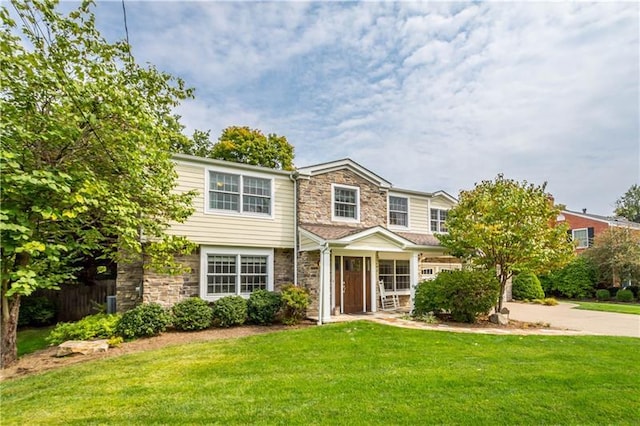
(578, 222)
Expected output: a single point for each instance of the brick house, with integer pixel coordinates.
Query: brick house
(335, 228)
(585, 227)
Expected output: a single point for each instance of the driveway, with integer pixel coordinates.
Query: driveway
(588, 322)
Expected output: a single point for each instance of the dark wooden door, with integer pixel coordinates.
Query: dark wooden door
(353, 270)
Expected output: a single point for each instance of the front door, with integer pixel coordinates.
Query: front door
(353, 274)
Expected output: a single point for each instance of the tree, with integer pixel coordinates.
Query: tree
(628, 206)
(616, 255)
(507, 226)
(245, 145)
(85, 161)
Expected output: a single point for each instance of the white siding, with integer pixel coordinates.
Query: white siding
(419, 214)
(236, 230)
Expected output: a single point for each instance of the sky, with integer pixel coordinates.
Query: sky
(430, 96)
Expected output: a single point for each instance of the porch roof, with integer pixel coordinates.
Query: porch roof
(338, 233)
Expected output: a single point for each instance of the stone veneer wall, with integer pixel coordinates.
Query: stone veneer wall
(314, 199)
(167, 290)
(309, 278)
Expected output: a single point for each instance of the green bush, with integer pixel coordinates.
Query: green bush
(613, 291)
(576, 280)
(624, 296)
(526, 286)
(603, 294)
(229, 311)
(634, 289)
(464, 294)
(295, 301)
(263, 307)
(98, 326)
(148, 319)
(192, 314)
(36, 311)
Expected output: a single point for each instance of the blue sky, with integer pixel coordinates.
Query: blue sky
(431, 96)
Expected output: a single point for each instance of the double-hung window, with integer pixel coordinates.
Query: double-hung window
(398, 211)
(581, 236)
(438, 219)
(396, 275)
(239, 193)
(228, 272)
(345, 203)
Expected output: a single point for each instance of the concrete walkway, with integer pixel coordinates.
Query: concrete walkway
(563, 316)
(562, 321)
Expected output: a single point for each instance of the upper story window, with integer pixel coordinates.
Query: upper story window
(581, 236)
(398, 211)
(238, 193)
(345, 203)
(438, 218)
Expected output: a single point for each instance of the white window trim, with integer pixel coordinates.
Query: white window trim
(395, 259)
(232, 251)
(573, 237)
(430, 220)
(335, 218)
(242, 175)
(389, 212)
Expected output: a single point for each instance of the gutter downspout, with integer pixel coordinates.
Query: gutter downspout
(294, 178)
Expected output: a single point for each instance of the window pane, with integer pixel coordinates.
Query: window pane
(223, 191)
(396, 218)
(254, 204)
(253, 273)
(222, 201)
(402, 267)
(398, 204)
(344, 195)
(257, 186)
(223, 182)
(221, 274)
(345, 210)
(582, 237)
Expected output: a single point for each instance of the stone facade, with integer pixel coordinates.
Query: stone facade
(314, 199)
(309, 278)
(129, 285)
(167, 290)
(282, 268)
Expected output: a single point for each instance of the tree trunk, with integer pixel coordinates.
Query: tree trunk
(10, 309)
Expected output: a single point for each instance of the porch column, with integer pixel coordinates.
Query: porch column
(415, 277)
(325, 285)
(374, 283)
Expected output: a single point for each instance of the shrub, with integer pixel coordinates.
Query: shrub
(465, 294)
(576, 280)
(145, 320)
(263, 306)
(192, 314)
(295, 301)
(624, 296)
(527, 286)
(613, 291)
(98, 326)
(603, 294)
(229, 311)
(549, 301)
(36, 311)
(633, 288)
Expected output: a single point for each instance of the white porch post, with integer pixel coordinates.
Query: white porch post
(374, 283)
(415, 277)
(325, 285)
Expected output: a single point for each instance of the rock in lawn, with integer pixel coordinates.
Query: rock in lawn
(498, 319)
(72, 347)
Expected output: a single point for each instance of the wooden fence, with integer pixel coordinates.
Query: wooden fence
(75, 301)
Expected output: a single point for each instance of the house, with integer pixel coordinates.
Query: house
(335, 228)
(585, 227)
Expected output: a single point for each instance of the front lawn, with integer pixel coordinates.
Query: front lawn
(621, 308)
(32, 339)
(349, 373)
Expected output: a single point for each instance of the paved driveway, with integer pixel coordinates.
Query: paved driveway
(588, 322)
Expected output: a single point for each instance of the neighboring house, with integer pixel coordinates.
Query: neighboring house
(585, 227)
(336, 229)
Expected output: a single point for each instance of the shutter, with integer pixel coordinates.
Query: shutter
(570, 235)
(590, 234)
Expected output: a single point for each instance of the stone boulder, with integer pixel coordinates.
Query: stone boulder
(82, 347)
(499, 319)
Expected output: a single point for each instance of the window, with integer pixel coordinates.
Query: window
(225, 272)
(581, 236)
(238, 193)
(438, 218)
(396, 274)
(399, 211)
(345, 203)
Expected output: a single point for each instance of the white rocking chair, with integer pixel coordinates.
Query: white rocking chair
(388, 302)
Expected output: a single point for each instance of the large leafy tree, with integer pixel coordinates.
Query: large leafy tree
(616, 255)
(628, 206)
(251, 146)
(86, 167)
(507, 226)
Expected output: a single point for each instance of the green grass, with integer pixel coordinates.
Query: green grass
(32, 339)
(620, 308)
(349, 373)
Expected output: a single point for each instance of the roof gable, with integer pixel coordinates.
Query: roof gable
(345, 164)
